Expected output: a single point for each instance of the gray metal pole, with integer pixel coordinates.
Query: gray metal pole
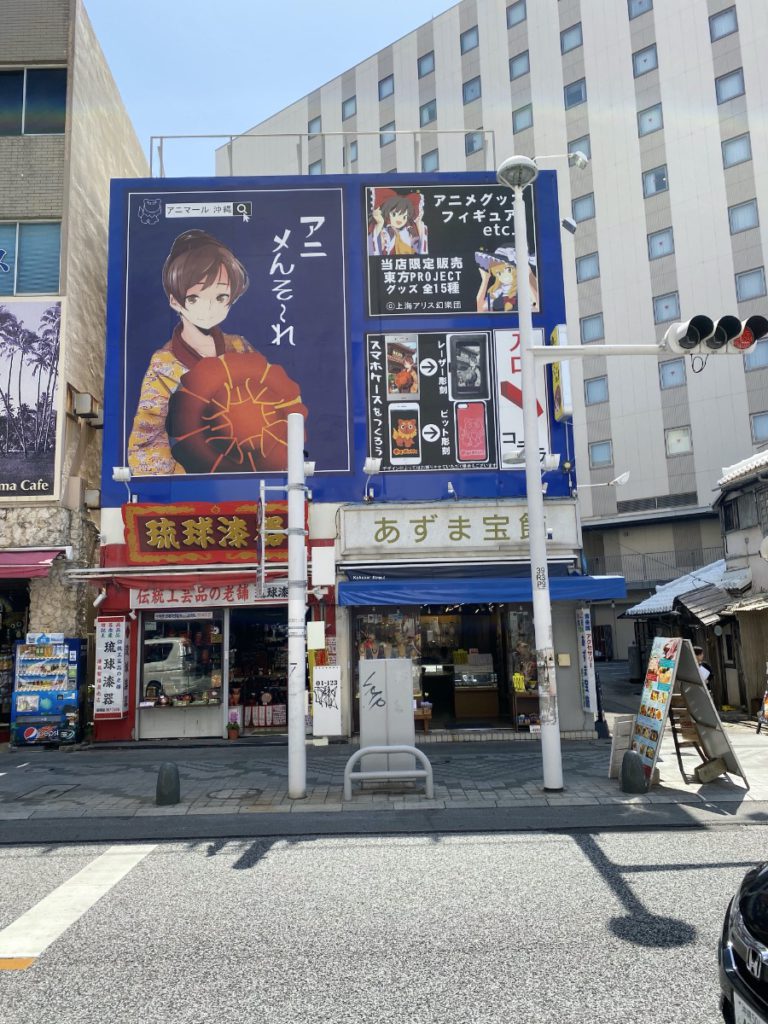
(297, 610)
(537, 532)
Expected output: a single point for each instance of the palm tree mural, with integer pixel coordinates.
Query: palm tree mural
(29, 369)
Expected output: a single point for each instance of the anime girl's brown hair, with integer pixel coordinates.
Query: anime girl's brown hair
(195, 258)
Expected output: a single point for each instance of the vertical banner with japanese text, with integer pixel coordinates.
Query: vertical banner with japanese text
(111, 669)
(586, 660)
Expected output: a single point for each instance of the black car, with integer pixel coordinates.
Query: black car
(743, 952)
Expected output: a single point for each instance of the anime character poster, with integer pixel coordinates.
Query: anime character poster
(235, 318)
(30, 332)
(445, 249)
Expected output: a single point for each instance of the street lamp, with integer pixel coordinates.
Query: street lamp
(516, 173)
(618, 481)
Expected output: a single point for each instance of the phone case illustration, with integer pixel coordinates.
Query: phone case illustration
(402, 355)
(404, 434)
(468, 366)
(471, 437)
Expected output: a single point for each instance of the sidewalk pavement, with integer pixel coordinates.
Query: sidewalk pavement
(240, 785)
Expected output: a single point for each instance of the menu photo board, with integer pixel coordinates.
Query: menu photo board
(655, 700)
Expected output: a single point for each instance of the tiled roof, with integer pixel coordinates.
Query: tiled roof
(716, 574)
(745, 468)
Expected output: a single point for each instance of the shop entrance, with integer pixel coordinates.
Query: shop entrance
(258, 668)
(473, 665)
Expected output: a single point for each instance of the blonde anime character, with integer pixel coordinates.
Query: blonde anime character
(498, 285)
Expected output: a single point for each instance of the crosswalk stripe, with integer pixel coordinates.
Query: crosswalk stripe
(31, 934)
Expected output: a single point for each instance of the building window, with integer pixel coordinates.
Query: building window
(428, 112)
(314, 126)
(736, 150)
(649, 120)
(516, 13)
(728, 87)
(387, 134)
(591, 328)
(582, 145)
(660, 243)
(473, 142)
(722, 24)
(571, 38)
(587, 267)
(672, 374)
(575, 93)
(750, 284)
(655, 181)
(469, 40)
(759, 423)
(645, 60)
(426, 64)
(757, 357)
(666, 308)
(638, 7)
(353, 151)
(522, 118)
(386, 86)
(316, 167)
(33, 101)
(430, 161)
(601, 454)
(677, 441)
(29, 258)
(730, 516)
(743, 216)
(471, 90)
(583, 208)
(349, 108)
(519, 65)
(596, 390)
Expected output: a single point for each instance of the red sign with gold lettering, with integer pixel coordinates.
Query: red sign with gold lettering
(200, 533)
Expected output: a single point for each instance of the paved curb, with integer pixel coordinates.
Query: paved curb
(418, 821)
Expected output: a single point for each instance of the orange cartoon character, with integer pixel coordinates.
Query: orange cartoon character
(404, 433)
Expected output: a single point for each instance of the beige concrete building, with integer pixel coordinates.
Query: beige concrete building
(64, 134)
(668, 215)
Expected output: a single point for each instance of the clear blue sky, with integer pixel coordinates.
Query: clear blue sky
(221, 66)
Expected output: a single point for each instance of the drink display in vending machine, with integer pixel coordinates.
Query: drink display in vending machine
(49, 678)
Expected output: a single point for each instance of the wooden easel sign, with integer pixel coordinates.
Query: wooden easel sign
(654, 701)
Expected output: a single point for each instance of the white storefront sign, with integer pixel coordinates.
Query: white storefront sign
(451, 529)
(510, 400)
(326, 700)
(218, 595)
(586, 660)
(111, 671)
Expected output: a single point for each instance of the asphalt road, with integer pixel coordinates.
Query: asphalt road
(529, 927)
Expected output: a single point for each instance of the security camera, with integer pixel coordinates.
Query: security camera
(100, 598)
(550, 533)
(569, 224)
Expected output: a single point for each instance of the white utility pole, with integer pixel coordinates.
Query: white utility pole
(297, 609)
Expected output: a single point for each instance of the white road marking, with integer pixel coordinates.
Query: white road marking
(26, 763)
(32, 933)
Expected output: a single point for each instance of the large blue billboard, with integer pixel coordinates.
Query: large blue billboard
(383, 308)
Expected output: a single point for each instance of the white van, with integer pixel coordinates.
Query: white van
(169, 667)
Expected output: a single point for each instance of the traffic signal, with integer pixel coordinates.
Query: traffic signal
(703, 336)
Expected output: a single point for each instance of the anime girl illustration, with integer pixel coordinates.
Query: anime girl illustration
(209, 402)
(396, 226)
(498, 286)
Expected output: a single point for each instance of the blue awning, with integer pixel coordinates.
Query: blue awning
(488, 590)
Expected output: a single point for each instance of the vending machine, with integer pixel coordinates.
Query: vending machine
(49, 678)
